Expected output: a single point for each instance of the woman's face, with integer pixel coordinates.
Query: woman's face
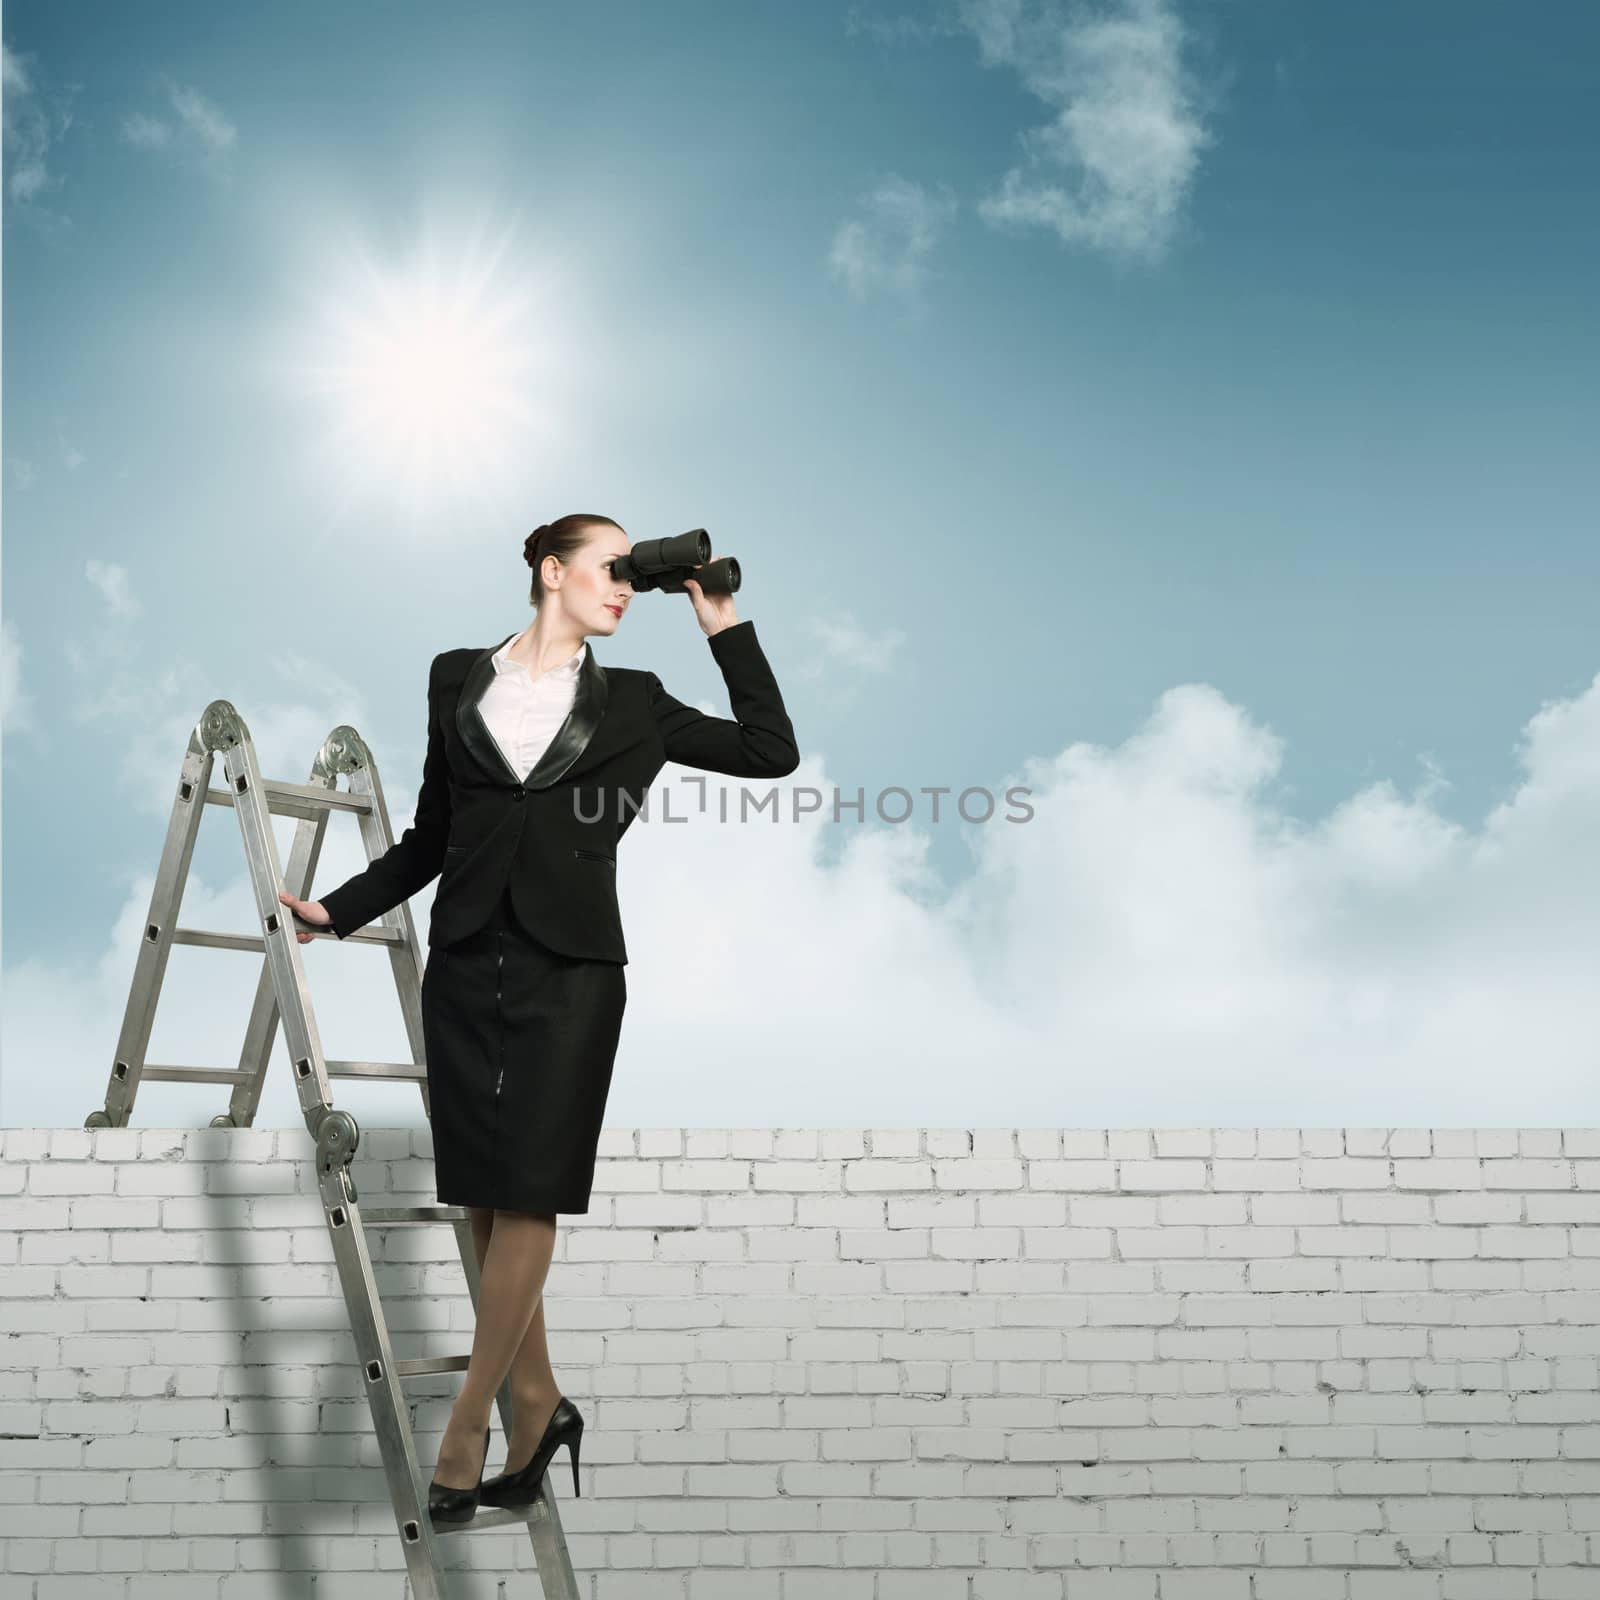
(591, 597)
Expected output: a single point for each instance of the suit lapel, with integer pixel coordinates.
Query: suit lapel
(571, 738)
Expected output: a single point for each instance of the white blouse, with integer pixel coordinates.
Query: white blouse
(524, 712)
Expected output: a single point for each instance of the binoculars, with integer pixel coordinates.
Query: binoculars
(664, 564)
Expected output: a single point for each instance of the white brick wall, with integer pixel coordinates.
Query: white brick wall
(1033, 1364)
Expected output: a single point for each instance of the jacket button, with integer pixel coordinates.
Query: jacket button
(520, 794)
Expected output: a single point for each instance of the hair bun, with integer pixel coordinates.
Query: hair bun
(530, 544)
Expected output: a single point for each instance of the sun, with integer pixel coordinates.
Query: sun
(425, 375)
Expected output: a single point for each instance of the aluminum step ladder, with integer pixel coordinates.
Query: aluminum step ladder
(282, 988)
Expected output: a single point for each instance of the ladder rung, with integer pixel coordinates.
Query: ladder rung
(379, 933)
(422, 1366)
(392, 1214)
(304, 800)
(220, 941)
(393, 1071)
(196, 1074)
(493, 1517)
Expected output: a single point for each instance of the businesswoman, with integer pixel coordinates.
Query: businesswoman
(538, 759)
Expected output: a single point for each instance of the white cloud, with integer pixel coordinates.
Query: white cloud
(111, 580)
(899, 29)
(16, 709)
(1114, 166)
(71, 456)
(34, 120)
(200, 125)
(203, 119)
(888, 248)
(1159, 945)
(23, 471)
(844, 655)
(842, 639)
(146, 133)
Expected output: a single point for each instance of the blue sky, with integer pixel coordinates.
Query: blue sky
(1179, 407)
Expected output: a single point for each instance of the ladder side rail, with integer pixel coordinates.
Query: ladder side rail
(405, 955)
(155, 942)
(550, 1552)
(549, 1539)
(285, 968)
(336, 1137)
(381, 1382)
(255, 1053)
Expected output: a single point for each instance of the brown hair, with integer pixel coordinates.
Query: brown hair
(562, 539)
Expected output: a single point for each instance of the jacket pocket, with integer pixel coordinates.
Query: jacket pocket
(595, 855)
(453, 849)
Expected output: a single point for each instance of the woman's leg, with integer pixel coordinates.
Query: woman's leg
(482, 1218)
(512, 1274)
(534, 1394)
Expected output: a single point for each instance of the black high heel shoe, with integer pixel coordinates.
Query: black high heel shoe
(456, 1505)
(521, 1488)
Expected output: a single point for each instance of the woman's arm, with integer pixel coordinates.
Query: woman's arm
(760, 743)
(417, 856)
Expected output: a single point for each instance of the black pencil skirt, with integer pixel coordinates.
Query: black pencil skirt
(520, 1040)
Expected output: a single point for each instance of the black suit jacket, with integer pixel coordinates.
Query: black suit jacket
(553, 837)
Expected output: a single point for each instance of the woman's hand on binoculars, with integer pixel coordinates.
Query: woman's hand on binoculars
(307, 911)
(715, 611)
